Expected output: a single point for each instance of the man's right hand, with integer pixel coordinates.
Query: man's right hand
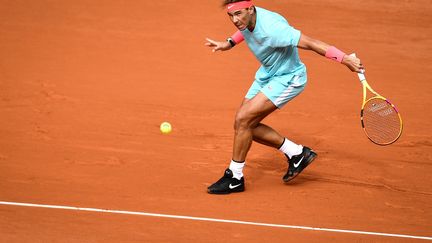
(218, 45)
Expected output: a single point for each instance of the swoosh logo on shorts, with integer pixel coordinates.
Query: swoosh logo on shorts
(232, 187)
(298, 163)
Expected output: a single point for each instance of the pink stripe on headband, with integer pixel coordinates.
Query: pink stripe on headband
(238, 5)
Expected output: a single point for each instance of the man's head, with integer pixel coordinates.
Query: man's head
(241, 13)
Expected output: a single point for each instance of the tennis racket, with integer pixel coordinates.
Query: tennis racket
(380, 120)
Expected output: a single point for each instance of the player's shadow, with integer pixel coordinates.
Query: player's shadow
(257, 167)
(303, 179)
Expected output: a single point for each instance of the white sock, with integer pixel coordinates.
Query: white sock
(237, 169)
(290, 148)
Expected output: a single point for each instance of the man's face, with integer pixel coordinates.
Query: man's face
(242, 18)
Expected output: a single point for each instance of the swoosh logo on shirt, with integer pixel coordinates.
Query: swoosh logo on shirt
(298, 163)
(232, 187)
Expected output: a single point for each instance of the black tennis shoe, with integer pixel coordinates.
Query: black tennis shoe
(227, 184)
(298, 163)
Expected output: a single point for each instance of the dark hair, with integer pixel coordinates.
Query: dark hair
(226, 2)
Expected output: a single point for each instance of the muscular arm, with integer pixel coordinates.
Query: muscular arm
(308, 43)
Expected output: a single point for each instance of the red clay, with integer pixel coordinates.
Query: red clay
(85, 85)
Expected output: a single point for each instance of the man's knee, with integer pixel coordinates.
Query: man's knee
(243, 121)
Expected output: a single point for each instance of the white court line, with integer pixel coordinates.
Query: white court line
(211, 220)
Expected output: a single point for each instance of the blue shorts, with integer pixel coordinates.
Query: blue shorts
(280, 89)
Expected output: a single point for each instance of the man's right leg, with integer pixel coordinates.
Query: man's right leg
(248, 116)
(266, 135)
(299, 157)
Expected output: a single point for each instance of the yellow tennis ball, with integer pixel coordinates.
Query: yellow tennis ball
(165, 127)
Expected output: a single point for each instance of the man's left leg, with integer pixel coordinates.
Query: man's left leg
(263, 101)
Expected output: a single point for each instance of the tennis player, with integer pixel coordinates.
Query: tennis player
(281, 77)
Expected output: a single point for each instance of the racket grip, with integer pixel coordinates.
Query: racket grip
(361, 76)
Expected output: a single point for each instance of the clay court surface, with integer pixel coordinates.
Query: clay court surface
(85, 84)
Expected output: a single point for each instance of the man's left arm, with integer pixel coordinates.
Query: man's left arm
(331, 52)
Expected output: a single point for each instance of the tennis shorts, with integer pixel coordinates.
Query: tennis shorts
(279, 89)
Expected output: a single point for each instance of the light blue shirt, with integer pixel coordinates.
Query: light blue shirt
(274, 43)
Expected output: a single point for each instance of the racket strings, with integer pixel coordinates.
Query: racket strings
(381, 121)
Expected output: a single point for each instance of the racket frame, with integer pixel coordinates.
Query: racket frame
(366, 87)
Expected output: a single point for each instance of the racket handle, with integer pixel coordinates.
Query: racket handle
(361, 76)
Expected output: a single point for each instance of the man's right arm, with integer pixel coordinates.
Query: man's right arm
(235, 39)
(218, 45)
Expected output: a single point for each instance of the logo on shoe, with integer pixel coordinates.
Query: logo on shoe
(298, 163)
(232, 187)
